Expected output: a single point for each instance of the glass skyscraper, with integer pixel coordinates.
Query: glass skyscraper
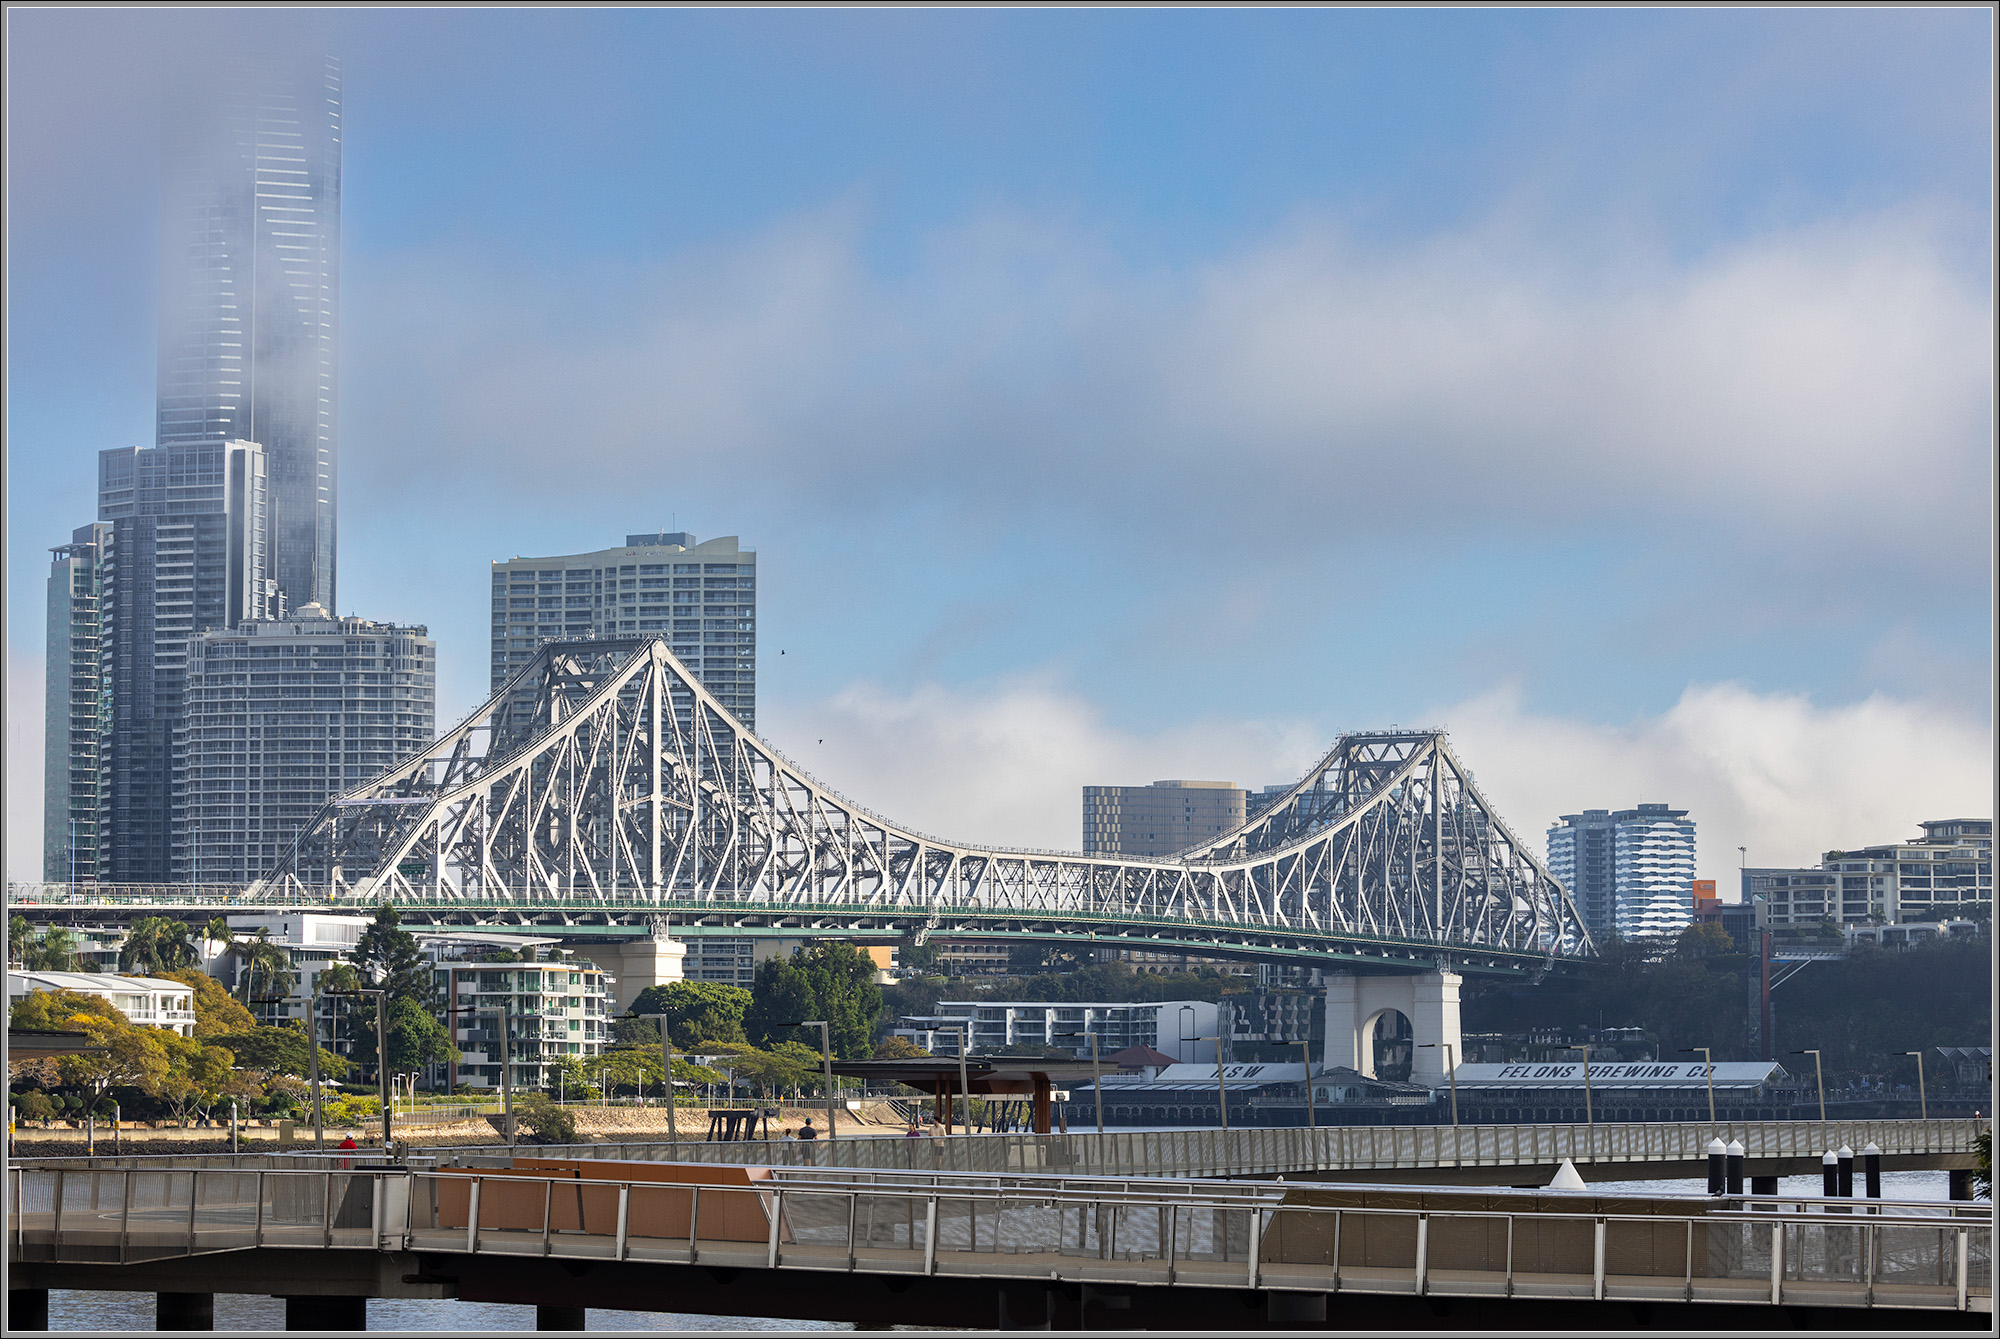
(1629, 871)
(250, 291)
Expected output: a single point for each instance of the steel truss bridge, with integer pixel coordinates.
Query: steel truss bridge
(604, 787)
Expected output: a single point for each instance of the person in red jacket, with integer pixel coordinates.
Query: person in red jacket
(345, 1145)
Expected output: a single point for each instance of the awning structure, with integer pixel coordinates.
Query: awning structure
(44, 1043)
(985, 1076)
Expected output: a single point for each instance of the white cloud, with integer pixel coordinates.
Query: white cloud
(1774, 772)
(1309, 381)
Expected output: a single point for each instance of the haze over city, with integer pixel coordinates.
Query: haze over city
(1118, 396)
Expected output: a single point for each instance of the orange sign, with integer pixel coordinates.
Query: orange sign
(1704, 891)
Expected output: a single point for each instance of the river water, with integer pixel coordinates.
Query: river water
(130, 1311)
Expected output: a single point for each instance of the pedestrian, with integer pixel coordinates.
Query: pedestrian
(346, 1145)
(809, 1132)
(913, 1132)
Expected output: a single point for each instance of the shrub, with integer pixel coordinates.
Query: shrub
(546, 1122)
(36, 1105)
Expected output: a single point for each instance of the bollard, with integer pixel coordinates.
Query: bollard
(1716, 1153)
(1829, 1174)
(90, 1135)
(1846, 1163)
(1733, 1163)
(233, 1147)
(1871, 1170)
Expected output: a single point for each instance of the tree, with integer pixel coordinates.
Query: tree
(156, 945)
(195, 1076)
(1039, 956)
(547, 1123)
(416, 1036)
(1705, 940)
(20, 934)
(279, 1050)
(127, 1054)
(215, 1010)
(842, 980)
(264, 968)
(699, 1013)
(899, 1048)
(388, 956)
(55, 951)
(217, 931)
(780, 997)
(571, 1080)
(920, 960)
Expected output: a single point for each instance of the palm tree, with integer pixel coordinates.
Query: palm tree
(55, 953)
(20, 935)
(263, 963)
(157, 944)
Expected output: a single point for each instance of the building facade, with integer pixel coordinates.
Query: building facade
(186, 528)
(1183, 1029)
(1160, 819)
(1945, 872)
(551, 1011)
(76, 708)
(1629, 871)
(702, 597)
(250, 290)
(279, 716)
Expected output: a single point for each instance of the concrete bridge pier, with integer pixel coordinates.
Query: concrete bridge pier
(325, 1313)
(637, 964)
(1356, 1003)
(559, 1318)
(184, 1311)
(27, 1309)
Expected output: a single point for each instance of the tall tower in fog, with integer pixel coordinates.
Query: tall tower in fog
(250, 291)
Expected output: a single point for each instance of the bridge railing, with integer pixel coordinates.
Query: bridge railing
(1284, 1151)
(1773, 1251)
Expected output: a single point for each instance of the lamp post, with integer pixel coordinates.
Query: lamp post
(1589, 1117)
(1923, 1103)
(1221, 1084)
(826, 1061)
(1451, 1069)
(382, 1055)
(1708, 1064)
(1097, 1082)
(964, 1095)
(1819, 1075)
(667, 1062)
(1312, 1117)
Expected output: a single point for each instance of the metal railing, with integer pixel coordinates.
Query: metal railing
(1286, 1151)
(1758, 1250)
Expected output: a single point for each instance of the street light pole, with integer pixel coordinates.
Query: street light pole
(1708, 1064)
(1819, 1075)
(826, 1061)
(381, 1055)
(1097, 1082)
(1589, 1117)
(1221, 1084)
(667, 1059)
(312, 1065)
(964, 1097)
(1923, 1104)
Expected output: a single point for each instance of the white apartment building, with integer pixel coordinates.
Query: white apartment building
(1179, 1028)
(1631, 870)
(551, 1011)
(144, 1000)
(1950, 865)
(701, 596)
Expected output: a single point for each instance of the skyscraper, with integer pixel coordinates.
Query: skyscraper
(278, 715)
(230, 514)
(76, 704)
(701, 596)
(250, 290)
(1631, 871)
(1159, 819)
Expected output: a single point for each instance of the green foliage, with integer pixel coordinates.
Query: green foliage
(349, 1109)
(831, 980)
(572, 1081)
(920, 960)
(264, 968)
(55, 951)
(417, 1037)
(698, 1012)
(196, 1075)
(1705, 940)
(216, 1011)
(280, 1050)
(388, 957)
(546, 1122)
(1982, 1175)
(156, 945)
(899, 1048)
(20, 935)
(35, 1105)
(624, 1069)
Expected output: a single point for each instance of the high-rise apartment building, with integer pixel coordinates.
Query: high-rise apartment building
(185, 554)
(1629, 870)
(76, 707)
(1948, 871)
(701, 596)
(1159, 819)
(250, 290)
(278, 716)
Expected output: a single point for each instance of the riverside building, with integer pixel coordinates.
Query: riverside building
(702, 597)
(1628, 871)
(76, 708)
(280, 715)
(1947, 871)
(1160, 819)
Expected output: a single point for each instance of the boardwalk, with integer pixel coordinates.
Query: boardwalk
(482, 1232)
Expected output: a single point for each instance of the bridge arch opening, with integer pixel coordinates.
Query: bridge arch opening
(1390, 1048)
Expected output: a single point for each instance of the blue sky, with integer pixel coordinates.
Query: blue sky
(1116, 395)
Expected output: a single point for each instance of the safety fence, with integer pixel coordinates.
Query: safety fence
(1759, 1250)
